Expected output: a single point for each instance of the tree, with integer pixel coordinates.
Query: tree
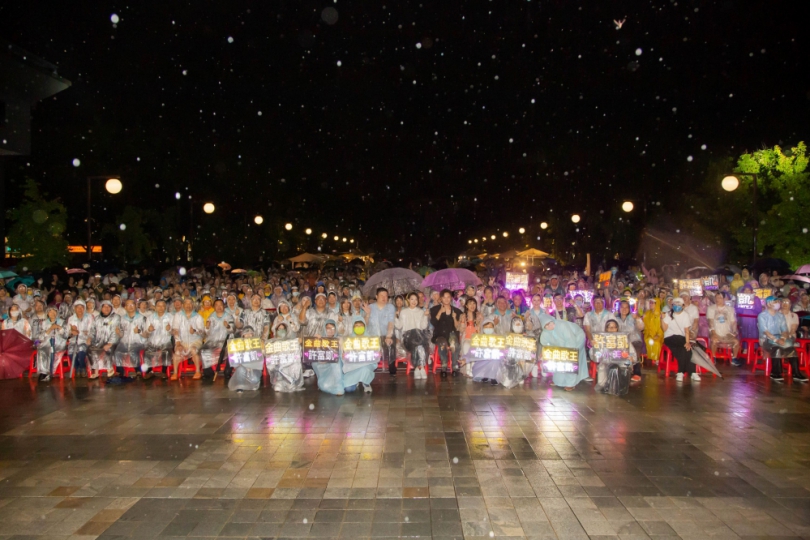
(784, 202)
(37, 228)
(133, 244)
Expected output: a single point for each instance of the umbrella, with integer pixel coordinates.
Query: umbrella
(450, 278)
(694, 268)
(728, 269)
(396, 280)
(77, 271)
(15, 354)
(771, 264)
(797, 278)
(238, 271)
(225, 266)
(804, 269)
(26, 280)
(700, 358)
(5, 274)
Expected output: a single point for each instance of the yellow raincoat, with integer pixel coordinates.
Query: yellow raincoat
(736, 283)
(653, 333)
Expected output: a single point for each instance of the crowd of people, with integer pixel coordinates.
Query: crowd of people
(182, 324)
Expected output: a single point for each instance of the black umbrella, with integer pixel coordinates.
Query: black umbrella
(762, 265)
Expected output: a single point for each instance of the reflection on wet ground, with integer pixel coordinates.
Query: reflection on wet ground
(438, 458)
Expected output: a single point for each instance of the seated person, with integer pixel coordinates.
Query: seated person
(288, 377)
(612, 326)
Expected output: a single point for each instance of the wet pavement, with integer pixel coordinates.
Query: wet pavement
(444, 459)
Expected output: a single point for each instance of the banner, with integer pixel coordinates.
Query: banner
(361, 350)
(693, 286)
(484, 347)
(521, 348)
(282, 352)
(244, 351)
(763, 292)
(517, 281)
(560, 360)
(746, 301)
(711, 283)
(321, 349)
(604, 279)
(610, 346)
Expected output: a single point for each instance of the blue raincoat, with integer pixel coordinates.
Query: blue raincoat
(565, 334)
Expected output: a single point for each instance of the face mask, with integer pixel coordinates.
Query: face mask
(518, 328)
(359, 330)
(295, 293)
(677, 309)
(281, 333)
(14, 314)
(489, 330)
(776, 305)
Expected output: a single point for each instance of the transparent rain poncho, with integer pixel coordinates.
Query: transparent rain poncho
(131, 340)
(103, 333)
(78, 343)
(247, 376)
(257, 319)
(158, 341)
(217, 330)
(190, 329)
(288, 377)
(51, 343)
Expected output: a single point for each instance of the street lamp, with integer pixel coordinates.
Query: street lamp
(627, 206)
(308, 231)
(113, 186)
(521, 230)
(258, 220)
(730, 183)
(575, 218)
(324, 236)
(492, 237)
(336, 238)
(288, 226)
(544, 225)
(209, 208)
(505, 234)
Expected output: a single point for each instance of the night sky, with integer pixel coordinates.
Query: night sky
(413, 127)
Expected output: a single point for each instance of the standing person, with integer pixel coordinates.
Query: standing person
(379, 320)
(102, 339)
(488, 304)
(131, 340)
(79, 326)
(188, 329)
(533, 324)
(444, 318)
(218, 326)
(158, 340)
(412, 323)
(653, 333)
(468, 325)
(723, 327)
(747, 318)
(633, 325)
(677, 336)
(776, 341)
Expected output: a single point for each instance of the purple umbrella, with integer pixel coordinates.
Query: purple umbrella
(450, 278)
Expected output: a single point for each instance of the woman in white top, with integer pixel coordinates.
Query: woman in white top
(791, 318)
(677, 328)
(412, 323)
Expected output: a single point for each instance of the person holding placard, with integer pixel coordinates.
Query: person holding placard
(748, 307)
(569, 335)
(246, 375)
(631, 324)
(286, 375)
(612, 326)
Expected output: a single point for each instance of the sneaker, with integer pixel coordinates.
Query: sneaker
(679, 377)
(45, 378)
(307, 373)
(737, 363)
(493, 382)
(695, 377)
(588, 379)
(777, 378)
(800, 378)
(367, 388)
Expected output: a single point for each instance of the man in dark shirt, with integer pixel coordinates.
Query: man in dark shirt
(444, 319)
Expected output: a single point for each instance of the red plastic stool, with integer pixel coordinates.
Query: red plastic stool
(761, 362)
(437, 360)
(670, 363)
(724, 352)
(751, 347)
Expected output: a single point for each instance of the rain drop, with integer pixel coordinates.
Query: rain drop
(115, 18)
(305, 520)
(455, 460)
(311, 407)
(703, 147)
(259, 113)
(230, 39)
(76, 162)
(418, 45)
(339, 63)
(690, 158)
(639, 51)
(123, 227)
(157, 186)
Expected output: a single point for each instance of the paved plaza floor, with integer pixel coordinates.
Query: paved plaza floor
(438, 458)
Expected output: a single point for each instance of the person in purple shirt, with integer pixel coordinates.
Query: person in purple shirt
(380, 322)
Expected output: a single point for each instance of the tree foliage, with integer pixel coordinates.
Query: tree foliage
(38, 226)
(132, 243)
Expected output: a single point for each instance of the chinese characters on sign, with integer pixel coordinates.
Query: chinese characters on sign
(610, 346)
(711, 283)
(693, 286)
(483, 347)
(244, 351)
(516, 281)
(282, 352)
(361, 350)
(560, 360)
(520, 348)
(745, 301)
(763, 292)
(321, 349)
